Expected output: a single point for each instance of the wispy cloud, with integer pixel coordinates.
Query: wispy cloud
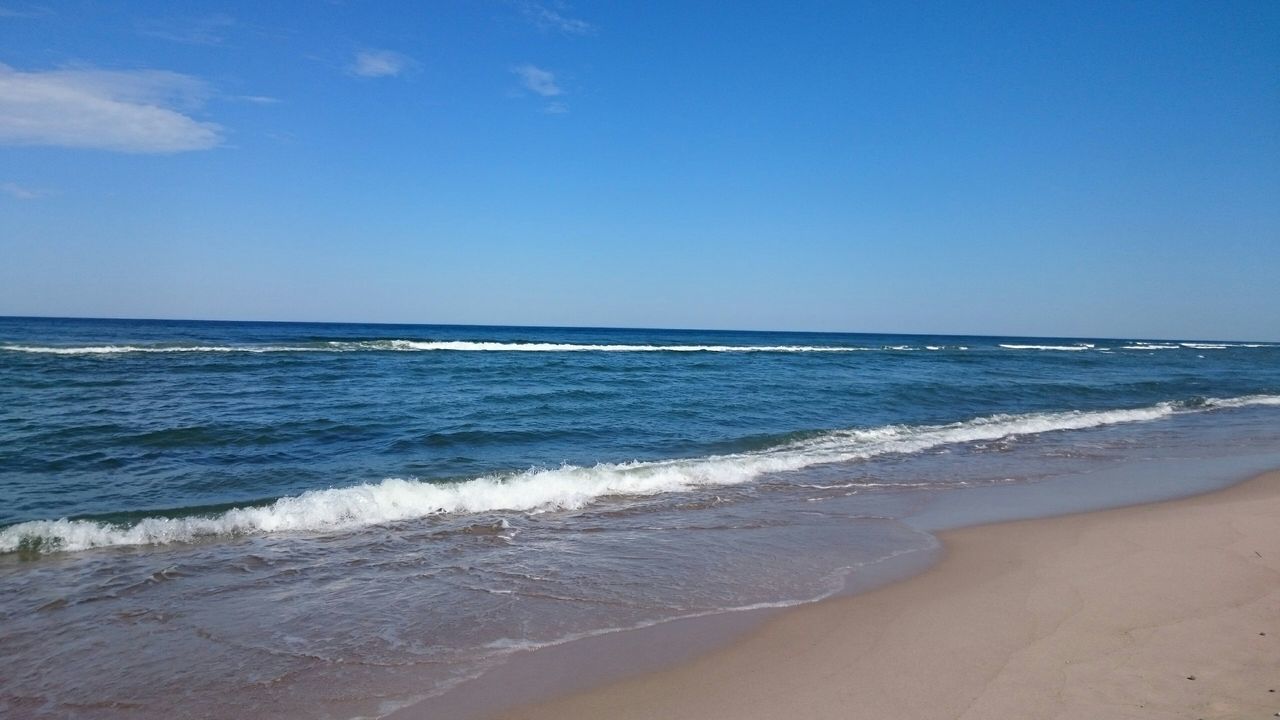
(19, 192)
(380, 63)
(207, 30)
(140, 111)
(259, 99)
(552, 17)
(535, 79)
(24, 11)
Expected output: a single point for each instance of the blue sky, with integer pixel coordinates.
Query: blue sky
(1104, 169)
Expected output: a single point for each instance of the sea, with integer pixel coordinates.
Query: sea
(245, 519)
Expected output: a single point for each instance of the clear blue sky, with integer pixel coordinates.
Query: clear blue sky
(1033, 168)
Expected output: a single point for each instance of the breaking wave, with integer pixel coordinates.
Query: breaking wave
(419, 346)
(472, 346)
(1081, 346)
(120, 349)
(345, 346)
(1223, 346)
(568, 487)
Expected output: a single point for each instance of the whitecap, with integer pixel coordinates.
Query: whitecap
(569, 487)
(1068, 348)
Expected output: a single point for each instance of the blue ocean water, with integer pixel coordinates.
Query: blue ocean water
(281, 509)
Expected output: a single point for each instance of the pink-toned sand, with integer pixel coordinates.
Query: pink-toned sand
(1170, 610)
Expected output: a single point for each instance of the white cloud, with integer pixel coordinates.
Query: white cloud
(550, 18)
(18, 192)
(555, 108)
(542, 82)
(259, 99)
(379, 63)
(207, 30)
(140, 111)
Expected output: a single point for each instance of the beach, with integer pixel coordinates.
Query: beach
(1163, 610)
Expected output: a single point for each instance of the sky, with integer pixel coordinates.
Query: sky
(1105, 169)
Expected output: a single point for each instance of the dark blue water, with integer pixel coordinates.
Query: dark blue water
(241, 412)
(435, 497)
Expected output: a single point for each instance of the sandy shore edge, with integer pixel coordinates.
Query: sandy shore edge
(1167, 610)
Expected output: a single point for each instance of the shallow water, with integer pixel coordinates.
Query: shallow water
(257, 519)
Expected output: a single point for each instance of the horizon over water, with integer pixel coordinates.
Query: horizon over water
(649, 328)
(336, 519)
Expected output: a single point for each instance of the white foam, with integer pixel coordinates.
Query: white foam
(493, 346)
(470, 346)
(1224, 346)
(422, 346)
(1243, 401)
(116, 349)
(1071, 348)
(570, 487)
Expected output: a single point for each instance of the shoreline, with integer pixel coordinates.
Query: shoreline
(1097, 614)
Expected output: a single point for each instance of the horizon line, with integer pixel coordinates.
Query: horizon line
(623, 327)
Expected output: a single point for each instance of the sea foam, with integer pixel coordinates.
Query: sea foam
(568, 487)
(119, 349)
(1068, 348)
(422, 346)
(402, 345)
(471, 346)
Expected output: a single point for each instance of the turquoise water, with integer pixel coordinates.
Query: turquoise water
(348, 516)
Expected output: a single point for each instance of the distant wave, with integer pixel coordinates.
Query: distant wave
(440, 346)
(1137, 346)
(1081, 346)
(343, 346)
(1223, 346)
(1244, 401)
(569, 486)
(118, 349)
(473, 346)
(1217, 346)
(419, 346)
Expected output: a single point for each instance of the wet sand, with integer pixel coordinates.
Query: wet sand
(1167, 610)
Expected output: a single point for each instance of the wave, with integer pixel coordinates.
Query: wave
(1081, 346)
(116, 349)
(341, 346)
(1238, 402)
(450, 346)
(474, 346)
(569, 487)
(1224, 346)
(421, 346)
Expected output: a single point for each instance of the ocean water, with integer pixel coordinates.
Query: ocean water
(331, 520)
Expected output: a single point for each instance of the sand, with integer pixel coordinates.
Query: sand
(1169, 610)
